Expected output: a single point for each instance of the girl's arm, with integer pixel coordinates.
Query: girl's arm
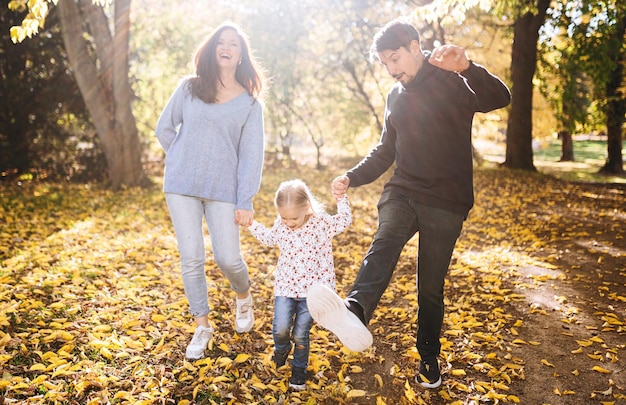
(343, 218)
(263, 234)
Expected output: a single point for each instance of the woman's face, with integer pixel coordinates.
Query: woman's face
(293, 217)
(228, 50)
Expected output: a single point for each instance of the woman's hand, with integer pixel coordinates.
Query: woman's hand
(244, 217)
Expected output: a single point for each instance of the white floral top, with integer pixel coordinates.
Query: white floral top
(306, 253)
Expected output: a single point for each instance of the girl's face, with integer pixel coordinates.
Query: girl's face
(228, 50)
(294, 217)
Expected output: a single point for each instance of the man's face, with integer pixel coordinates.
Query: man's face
(402, 64)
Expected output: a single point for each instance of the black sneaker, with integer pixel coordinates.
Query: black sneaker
(429, 375)
(280, 358)
(298, 379)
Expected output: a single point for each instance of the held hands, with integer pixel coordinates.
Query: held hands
(340, 186)
(244, 217)
(450, 57)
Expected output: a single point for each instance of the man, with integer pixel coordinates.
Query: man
(427, 133)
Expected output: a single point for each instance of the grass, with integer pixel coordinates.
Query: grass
(589, 155)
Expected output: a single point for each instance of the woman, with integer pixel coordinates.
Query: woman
(212, 133)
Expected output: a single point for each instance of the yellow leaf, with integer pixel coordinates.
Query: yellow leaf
(241, 357)
(379, 380)
(220, 378)
(601, 370)
(158, 318)
(356, 393)
(37, 367)
(546, 363)
(355, 369)
(259, 385)
(106, 353)
(122, 395)
(224, 347)
(458, 373)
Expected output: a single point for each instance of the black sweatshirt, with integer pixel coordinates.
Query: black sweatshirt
(427, 133)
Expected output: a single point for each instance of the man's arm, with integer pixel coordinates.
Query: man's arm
(491, 92)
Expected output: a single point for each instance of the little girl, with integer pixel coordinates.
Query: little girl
(303, 232)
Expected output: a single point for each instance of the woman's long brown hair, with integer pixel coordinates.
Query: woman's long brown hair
(248, 73)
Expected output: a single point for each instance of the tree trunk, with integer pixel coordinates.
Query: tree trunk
(616, 106)
(103, 82)
(519, 151)
(567, 146)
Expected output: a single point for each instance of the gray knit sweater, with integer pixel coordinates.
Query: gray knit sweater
(213, 151)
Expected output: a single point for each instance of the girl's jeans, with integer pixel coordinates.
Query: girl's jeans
(399, 218)
(288, 312)
(187, 213)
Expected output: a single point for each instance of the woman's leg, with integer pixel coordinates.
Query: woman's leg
(224, 233)
(187, 213)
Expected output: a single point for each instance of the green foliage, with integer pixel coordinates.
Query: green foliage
(44, 129)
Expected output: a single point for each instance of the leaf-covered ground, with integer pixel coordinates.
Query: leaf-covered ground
(92, 309)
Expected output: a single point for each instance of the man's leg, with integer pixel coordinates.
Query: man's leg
(439, 231)
(397, 224)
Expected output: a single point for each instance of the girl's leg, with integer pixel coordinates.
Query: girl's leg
(284, 309)
(301, 334)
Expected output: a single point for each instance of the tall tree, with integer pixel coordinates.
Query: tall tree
(601, 33)
(530, 17)
(587, 58)
(99, 61)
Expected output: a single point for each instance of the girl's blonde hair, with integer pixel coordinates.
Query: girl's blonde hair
(297, 193)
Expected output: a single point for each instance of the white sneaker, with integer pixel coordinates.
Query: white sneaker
(199, 342)
(329, 310)
(244, 320)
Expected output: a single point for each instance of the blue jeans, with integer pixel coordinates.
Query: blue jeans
(399, 218)
(288, 312)
(187, 214)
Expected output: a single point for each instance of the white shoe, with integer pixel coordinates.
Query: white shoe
(244, 320)
(329, 310)
(199, 342)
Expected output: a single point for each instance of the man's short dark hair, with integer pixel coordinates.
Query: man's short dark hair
(392, 36)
